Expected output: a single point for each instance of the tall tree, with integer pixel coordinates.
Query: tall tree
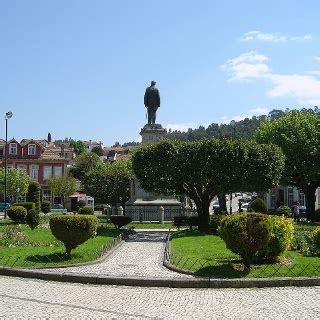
(205, 168)
(110, 183)
(78, 147)
(17, 182)
(63, 186)
(85, 162)
(298, 135)
(98, 151)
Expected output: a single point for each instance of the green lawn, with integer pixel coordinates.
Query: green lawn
(208, 255)
(39, 248)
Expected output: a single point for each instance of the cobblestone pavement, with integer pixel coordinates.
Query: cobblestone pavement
(28, 298)
(140, 256)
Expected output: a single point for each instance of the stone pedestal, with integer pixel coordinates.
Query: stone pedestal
(140, 199)
(151, 133)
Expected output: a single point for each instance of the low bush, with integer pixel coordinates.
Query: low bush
(33, 218)
(73, 230)
(120, 221)
(86, 210)
(17, 214)
(46, 206)
(81, 204)
(282, 231)
(316, 241)
(27, 205)
(258, 205)
(215, 222)
(284, 211)
(218, 211)
(302, 241)
(246, 234)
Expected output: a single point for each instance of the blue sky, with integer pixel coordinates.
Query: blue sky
(80, 68)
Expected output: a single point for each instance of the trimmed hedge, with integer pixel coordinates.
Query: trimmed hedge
(215, 222)
(120, 221)
(33, 219)
(258, 205)
(17, 214)
(33, 194)
(246, 234)
(284, 210)
(282, 231)
(27, 205)
(73, 230)
(316, 241)
(46, 206)
(86, 210)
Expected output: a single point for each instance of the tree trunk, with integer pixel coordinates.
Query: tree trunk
(309, 192)
(222, 202)
(203, 214)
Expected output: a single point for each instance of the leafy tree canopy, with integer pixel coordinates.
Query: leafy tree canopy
(110, 183)
(205, 168)
(298, 135)
(17, 182)
(78, 147)
(98, 151)
(62, 186)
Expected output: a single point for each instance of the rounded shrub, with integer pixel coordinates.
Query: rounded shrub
(17, 214)
(33, 218)
(33, 194)
(316, 241)
(81, 204)
(27, 205)
(119, 221)
(246, 234)
(86, 210)
(284, 211)
(215, 222)
(46, 206)
(282, 231)
(258, 205)
(73, 230)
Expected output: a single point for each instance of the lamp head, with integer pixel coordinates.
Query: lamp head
(233, 123)
(9, 114)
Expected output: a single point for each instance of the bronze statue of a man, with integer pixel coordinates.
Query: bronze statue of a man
(152, 102)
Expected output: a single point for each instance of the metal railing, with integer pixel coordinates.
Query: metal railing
(154, 213)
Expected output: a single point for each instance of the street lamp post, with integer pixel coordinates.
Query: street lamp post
(8, 116)
(233, 125)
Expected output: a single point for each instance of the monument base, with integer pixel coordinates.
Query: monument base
(151, 133)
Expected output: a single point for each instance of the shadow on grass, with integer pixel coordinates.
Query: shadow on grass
(49, 258)
(225, 270)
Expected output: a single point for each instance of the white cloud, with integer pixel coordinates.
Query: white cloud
(272, 37)
(247, 65)
(317, 59)
(183, 127)
(304, 87)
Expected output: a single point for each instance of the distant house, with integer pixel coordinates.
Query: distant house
(40, 159)
(92, 144)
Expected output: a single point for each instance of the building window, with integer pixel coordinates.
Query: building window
(301, 198)
(57, 171)
(290, 197)
(46, 195)
(21, 198)
(22, 167)
(47, 172)
(31, 149)
(33, 172)
(12, 148)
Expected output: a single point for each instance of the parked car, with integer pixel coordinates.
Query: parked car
(4, 205)
(245, 206)
(57, 207)
(302, 211)
(101, 207)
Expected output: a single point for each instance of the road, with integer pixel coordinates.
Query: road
(27, 298)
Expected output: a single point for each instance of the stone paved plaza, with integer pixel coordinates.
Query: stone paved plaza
(140, 256)
(26, 298)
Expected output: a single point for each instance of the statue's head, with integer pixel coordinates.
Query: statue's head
(153, 83)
